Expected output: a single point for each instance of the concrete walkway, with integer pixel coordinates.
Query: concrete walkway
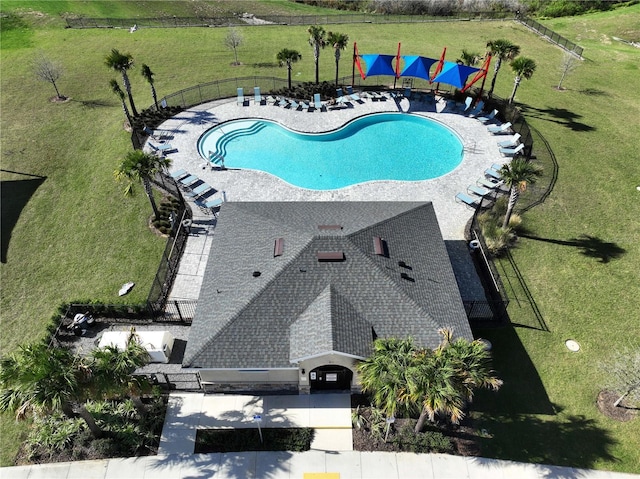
(329, 414)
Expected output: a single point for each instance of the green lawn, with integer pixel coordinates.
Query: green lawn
(72, 235)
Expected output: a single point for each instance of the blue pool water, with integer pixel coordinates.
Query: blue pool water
(382, 146)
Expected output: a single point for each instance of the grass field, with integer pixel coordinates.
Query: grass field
(69, 234)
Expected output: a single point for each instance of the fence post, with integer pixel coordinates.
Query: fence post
(177, 305)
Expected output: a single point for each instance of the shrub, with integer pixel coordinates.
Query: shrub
(52, 434)
(428, 441)
(236, 440)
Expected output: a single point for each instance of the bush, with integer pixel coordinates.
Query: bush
(428, 441)
(237, 440)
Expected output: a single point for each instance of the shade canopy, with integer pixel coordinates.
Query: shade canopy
(416, 66)
(378, 64)
(454, 74)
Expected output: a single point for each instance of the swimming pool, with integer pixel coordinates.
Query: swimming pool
(381, 146)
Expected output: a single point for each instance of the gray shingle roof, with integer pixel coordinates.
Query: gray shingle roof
(300, 307)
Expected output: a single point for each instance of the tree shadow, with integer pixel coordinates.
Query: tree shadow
(94, 103)
(560, 116)
(589, 246)
(520, 423)
(14, 196)
(593, 92)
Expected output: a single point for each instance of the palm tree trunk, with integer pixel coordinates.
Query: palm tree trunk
(91, 423)
(126, 113)
(337, 61)
(496, 69)
(516, 83)
(316, 56)
(149, 191)
(513, 199)
(127, 86)
(289, 74)
(421, 420)
(155, 96)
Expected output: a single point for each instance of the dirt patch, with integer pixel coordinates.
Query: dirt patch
(59, 99)
(619, 413)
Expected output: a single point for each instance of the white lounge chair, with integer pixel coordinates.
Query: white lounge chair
(488, 118)
(476, 110)
(511, 142)
(496, 129)
(258, 99)
(240, 100)
(477, 190)
(468, 200)
(512, 151)
(491, 173)
(491, 184)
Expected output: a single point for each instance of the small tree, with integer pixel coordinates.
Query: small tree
(317, 40)
(568, 65)
(523, 67)
(338, 42)
(517, 174)
(148, 75)
(141, 166)
(469, 58)
(288, 57)
(48, 71)
(115, 88)
(232, 41)
(622, 371)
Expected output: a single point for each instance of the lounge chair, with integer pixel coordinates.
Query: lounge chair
(162, 148)
(303, 106)
(511, 142)
(491, 184)
(209, 205)
(477, 190)
(188, 180)
(240, 100)
(293, 105)
(340, 96)
(488, 118)
(258, 99)
(466, 105)
(491, 173)
(157, 135)
(495, 129)
(176, 175)
(476, 110)
(352, 95)
(283, 102)
(200, 190)
(468, 200)
(512, 151)
(317, 103)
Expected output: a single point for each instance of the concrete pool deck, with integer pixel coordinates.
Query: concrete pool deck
(480, 152)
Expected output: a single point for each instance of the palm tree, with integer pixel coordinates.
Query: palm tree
(288, 57)
(386, 374)
(447, 382)
(517, 175)
(112, 371)
(37, 380)
(121, 63)
(501, 50)
(148, 75)
(339, 42)
(115, 88)
(469, 58)
(141, 166)
(317, 40)
(522, 67)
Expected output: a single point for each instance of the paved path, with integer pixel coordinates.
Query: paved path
(284, 465)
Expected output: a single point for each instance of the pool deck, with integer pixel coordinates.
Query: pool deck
(480, 152)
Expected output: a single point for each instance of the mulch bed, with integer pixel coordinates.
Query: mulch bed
(619, 413)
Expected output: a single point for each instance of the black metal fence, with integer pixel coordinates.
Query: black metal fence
(559, 40)
(265, 20)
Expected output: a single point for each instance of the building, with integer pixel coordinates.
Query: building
(294, 293)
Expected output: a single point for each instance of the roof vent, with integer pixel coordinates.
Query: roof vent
(407, 277)
(330, 256)
(278, 247)
(256, 274)
(329, 227)
(380, 246)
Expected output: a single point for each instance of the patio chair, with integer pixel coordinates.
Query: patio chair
(176, 175)
(462, 108)
(209, 205)
(497, 129)
(512, 151)
(476, 110)
(200, 190)
(317, 103)
(188, 180)
(491, 184)
(477, 190)
(491, 173)
(240, 100)
(468, 200)
(488, 118)
(303, 106)
(157, 134)
(161, 148)
(340, 96)
(511, 142)
(293, 105)
(258, 99)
